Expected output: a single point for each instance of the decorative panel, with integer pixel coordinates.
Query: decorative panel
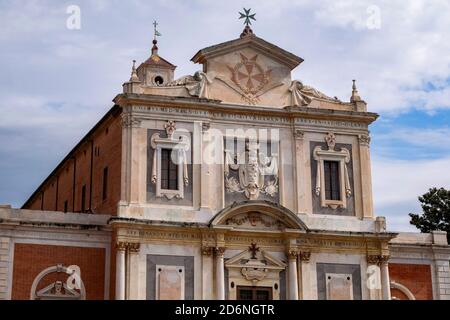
(339, 286)
(170, 282)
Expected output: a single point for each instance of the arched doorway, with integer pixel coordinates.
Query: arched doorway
(258, 259)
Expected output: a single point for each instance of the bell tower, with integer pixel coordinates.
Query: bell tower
(156, 71)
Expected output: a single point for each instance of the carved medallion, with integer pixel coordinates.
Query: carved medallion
(249, 77)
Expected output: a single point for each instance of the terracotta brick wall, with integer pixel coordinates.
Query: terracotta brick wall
(49, 196)
(109, 144)
(31, 259)
(416, 277)
(107, 149)
(83, 176)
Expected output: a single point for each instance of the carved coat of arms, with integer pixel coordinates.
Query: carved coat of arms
(252, 166)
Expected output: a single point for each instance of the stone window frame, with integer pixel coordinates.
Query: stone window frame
(343, 158)
(180, 145)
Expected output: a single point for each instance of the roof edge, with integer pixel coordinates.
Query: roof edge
(111, 112)
(283, 56)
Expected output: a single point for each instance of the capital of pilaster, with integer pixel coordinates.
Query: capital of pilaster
(364, 140)
(292, 253)
(207, 251)
(219, 251)
(304, 256)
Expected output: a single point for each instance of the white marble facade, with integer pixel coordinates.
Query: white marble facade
(236, 196)
(252, 214)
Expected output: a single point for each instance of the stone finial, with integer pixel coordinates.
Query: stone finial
(134, 76)
(380, 224)
(248, 32)
(248, 17)
(355, 95)
(155, 48)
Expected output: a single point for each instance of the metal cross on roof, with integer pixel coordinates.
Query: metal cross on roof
(247, 16)
(157, 34)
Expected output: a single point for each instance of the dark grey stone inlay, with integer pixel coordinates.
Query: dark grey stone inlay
(186, 261)
(335, 268)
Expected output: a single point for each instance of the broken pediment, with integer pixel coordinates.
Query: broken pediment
(258, 215)
(58, 291)
(255, 264)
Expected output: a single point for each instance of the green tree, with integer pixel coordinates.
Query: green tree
(436, 212)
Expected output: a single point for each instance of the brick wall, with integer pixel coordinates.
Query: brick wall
(31, 259)
(106, 144)
(416, 277)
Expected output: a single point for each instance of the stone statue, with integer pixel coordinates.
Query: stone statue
(302, 95)
(196, 85)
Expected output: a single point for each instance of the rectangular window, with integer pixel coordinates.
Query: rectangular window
(66, 204)
(83, 198)
(169, 171)
(105, 183)
(332, 183)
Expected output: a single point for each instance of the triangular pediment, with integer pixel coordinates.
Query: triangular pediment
(58, 291)
(259, 45)
(261, 259)
(248, 70)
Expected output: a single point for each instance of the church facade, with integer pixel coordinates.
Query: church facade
(237, 182)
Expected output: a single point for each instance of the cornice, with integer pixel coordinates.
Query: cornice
(215, 107)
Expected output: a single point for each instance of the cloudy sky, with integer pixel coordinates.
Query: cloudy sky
(55, 83)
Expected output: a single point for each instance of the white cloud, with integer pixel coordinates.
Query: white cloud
(57, 83)
(398, 183)
(429, 138)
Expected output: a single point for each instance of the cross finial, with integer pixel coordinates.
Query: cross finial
(247, 16)
(253, 249)
(156, 32)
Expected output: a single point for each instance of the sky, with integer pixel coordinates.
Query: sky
(56, 81)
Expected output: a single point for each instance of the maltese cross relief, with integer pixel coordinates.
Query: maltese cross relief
(250, 78)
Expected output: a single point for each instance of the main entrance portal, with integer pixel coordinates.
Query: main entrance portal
(254, 293)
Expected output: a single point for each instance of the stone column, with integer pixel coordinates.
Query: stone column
(366, 176)
(385, 282)
(373, 277)
(120, 271)
(220, 274)
(304, 275)
(207, 272)
(133, 271)
(292, 275)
